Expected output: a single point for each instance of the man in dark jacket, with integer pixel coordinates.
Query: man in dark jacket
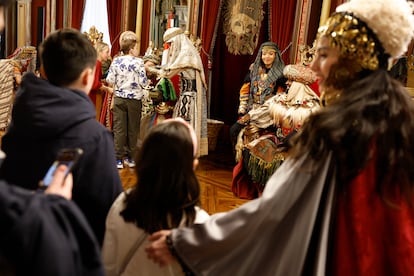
(54, 112)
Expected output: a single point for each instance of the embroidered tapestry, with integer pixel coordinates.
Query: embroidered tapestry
(242, 21)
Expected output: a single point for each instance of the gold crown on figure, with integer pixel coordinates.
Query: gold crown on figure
(353, 39)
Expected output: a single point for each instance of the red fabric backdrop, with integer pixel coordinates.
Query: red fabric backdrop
(59, 14)
(77, 13)
(228, 70)
(114, 21)
(36, 4)
(146, 18)
(209, 30)
(281, 24)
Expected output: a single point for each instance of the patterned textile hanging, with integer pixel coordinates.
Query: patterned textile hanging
(242, 21)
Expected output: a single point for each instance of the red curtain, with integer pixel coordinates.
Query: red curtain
(229, 71)
(114, 22)
(209, 30)
(281, 23)
(59, 14)
(77, 13)
(146, 17)
(37, 28)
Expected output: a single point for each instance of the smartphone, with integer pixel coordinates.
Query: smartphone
(68, 157)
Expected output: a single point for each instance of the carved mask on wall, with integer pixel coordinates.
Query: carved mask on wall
(242, 21)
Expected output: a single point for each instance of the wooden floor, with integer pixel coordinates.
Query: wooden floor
(214, 173)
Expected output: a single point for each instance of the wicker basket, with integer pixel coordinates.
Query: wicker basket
(213, 130)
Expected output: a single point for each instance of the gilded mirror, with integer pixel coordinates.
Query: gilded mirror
(165, 13)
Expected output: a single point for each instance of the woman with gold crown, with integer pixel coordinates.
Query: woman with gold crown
(342, 203)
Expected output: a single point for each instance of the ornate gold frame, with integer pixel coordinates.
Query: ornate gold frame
(191, 27)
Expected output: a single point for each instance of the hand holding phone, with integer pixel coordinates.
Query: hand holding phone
(62, 183)
(67, 157)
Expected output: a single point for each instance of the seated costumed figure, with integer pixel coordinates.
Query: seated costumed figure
(262, 144)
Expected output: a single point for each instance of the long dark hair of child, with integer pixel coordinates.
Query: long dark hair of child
(167, 189)
(373, 121)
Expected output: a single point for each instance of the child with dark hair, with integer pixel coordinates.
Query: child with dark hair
(166, 196)
(55, 112)
(128, 76)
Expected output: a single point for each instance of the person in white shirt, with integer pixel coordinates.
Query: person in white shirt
(128, 76)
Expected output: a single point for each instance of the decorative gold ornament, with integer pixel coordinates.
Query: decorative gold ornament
(162, 108)
(329, 96)
(307, 53)
(353, 39)
(94, 35)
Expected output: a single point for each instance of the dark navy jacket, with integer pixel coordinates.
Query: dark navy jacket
(44, 235)
(45, 119)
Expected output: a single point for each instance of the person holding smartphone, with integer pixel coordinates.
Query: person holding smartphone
(54, 112)
(62, 183)
(44, 233)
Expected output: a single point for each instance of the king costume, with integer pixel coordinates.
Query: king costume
(342, 202)
(184, 60)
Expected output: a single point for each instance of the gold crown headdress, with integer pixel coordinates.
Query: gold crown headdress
(391, 21)
(354, 40)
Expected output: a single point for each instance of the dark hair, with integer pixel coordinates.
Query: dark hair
(167, 189)
(5, 3)
(372, 120)
(65, 54)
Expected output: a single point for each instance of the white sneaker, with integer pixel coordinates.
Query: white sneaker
(119, 164)
(129, 162)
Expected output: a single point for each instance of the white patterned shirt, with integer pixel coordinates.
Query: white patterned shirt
(127, 75)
